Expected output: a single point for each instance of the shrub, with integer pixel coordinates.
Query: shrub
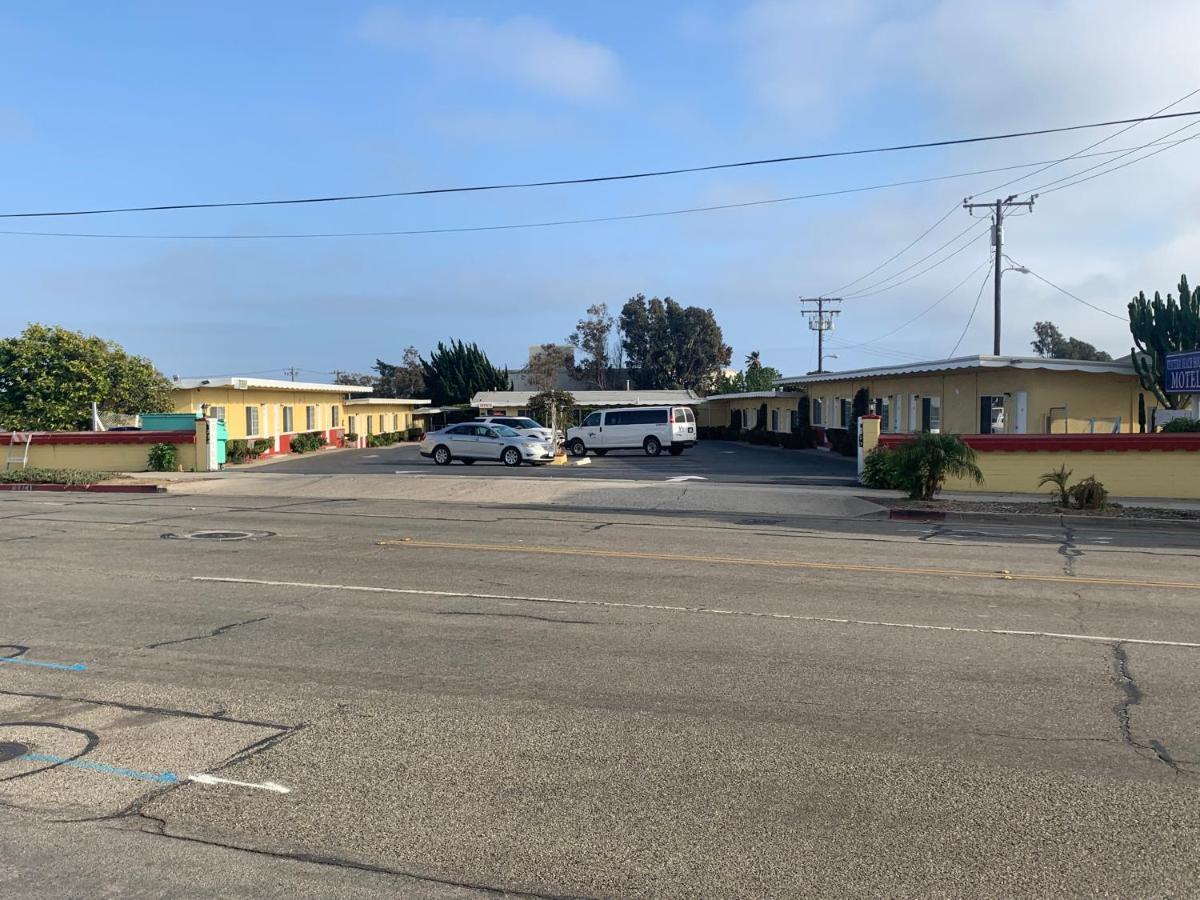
(1088, 494)
(349, 437)
(924, 463)
(1177, 426)
(803, 437)
(880, 470)
(236, 451)
(842, 441)
(413, 434)
(1059, 478)
(307, 442)
(261, 446)
(385, 439)
(163, 458)
(52, 476)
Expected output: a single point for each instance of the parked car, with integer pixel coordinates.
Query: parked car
(520, 424)
(650, 428)
(472, 441)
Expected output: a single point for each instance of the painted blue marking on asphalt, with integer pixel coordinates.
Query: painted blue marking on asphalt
(71, 667)
(160, 777)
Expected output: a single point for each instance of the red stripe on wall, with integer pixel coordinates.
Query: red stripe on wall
(105, 437)
(1008, 443)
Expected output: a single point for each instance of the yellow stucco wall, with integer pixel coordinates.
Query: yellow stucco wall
(270, 403)
(384, 417)
(716, 413)
(102, 457)
(1130, 473)
(1057, 402)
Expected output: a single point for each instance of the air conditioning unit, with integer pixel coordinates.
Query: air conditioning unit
(241, 384)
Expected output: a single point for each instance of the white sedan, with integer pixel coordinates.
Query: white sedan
(472, 441)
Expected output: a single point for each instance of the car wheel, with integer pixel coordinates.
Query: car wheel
(578, 448)
(441, 456)
(652, 446)
(511, 456)
(675, 451)
(468, 462)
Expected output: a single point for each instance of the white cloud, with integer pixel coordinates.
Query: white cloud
(526, 50)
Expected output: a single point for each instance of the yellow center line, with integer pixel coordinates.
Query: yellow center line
(787, 564)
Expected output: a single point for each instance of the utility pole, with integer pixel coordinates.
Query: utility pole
(291, 372)
(997, 210)
(820, 320)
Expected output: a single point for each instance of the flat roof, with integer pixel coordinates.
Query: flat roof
(751, 395)
(1114, 367)
(237, 382)
(384, 401)
(591, 398)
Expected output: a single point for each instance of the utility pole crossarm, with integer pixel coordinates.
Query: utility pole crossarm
(997, 209)
(820, 320)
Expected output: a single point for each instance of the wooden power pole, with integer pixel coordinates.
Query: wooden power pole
(997, 210)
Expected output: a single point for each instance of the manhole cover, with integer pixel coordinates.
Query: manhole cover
(218, 535)
(11, 750)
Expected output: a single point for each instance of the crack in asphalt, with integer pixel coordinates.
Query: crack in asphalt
(521, 616)
(1069, 551)
(216, 632)
(1131, 696)
(154, 710)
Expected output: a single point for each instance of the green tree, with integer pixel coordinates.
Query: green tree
(404, 380)
(670, 346)
(455, 373)
(49, 378)
(757, 376)
(591, 336)
(1050, 343)
(1160, 327)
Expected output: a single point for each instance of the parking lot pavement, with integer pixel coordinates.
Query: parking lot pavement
(401, 698)
(708, 461)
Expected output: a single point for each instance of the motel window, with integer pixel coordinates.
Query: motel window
(350, 424)
(817, 408)
(774, 420)
(334, 417)
(252, 421)
(931, 414)
(991, 414)
(847, 409)
(795, 422)
(217, 412)
(370, 425)
(310, 418)
(287, 419)
(395, 422)
(883, 409)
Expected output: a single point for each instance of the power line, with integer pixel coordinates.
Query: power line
(925, 311)
(553, 223)
(916, 275)
(898, 254)
(870, 288)
(1069, 294)
(1115, 168)
(1091, 146)
(596, 179)
(978, 297)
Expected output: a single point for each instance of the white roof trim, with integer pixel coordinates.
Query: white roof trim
(384, 401)
(591, 398)
(752, 395)
(276, 384)
(1115, 367)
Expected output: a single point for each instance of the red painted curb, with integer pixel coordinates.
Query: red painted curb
(89, 488)
(917, 515)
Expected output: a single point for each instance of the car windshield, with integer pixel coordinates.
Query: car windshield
(525, 423)
(504, 431)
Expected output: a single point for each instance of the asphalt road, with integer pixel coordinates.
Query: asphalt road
(460, 701)
(722, 461)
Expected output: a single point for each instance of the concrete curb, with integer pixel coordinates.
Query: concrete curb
(905, 514)
(89, 488)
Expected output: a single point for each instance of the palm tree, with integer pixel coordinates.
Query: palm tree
(924, 464)
(753, 360)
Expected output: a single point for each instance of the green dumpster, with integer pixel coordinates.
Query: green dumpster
(168, 421)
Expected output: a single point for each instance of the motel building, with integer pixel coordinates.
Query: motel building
(276, 410)
(964, 395)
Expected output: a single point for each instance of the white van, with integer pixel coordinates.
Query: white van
(649, 428)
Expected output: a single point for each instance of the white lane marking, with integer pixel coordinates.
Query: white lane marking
(264, 786)
(371, 456)
(706, 610)
(410, 474)
(585, 461)
(688, 478)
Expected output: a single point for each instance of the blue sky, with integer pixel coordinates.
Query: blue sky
(130, 104)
